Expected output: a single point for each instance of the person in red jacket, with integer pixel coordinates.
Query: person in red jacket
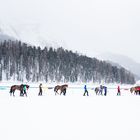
(118, 91)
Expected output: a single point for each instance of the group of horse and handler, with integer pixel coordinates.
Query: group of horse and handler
(135, 90)
(22, 88)
(61, 90)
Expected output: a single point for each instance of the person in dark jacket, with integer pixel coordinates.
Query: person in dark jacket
(40, 90)
(23, 90)
(101, 90)
(86, 91)
(105, 90)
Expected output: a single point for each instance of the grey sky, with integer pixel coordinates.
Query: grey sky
(88, 26)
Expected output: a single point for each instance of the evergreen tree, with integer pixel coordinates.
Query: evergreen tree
(19, 61)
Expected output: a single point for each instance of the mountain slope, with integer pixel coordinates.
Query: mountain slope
(123, 61)
(30, 33)
(21, 62)
(34, 35)
(5, 36)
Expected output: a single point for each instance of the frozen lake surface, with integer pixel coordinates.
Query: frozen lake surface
(70, 117)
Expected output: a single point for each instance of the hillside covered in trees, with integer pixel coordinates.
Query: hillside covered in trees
(20, 62)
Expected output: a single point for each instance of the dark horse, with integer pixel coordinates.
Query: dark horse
(17, 87)
(97, 89)
(62, 89)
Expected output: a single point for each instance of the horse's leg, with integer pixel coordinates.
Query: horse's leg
(56, 92)
(13, 93)
(61, 92)
(99, 92)
(64, 92)
(96, 92)
(21, 92)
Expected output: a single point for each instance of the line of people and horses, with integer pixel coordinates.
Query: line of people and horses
(61, 90)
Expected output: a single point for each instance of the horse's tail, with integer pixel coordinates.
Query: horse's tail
(54, 89)
(131, 90)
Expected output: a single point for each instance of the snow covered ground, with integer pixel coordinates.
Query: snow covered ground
(73, 117)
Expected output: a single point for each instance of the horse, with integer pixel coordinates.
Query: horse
(136, 90)
(62, 89)
(13, 88)
(99, 90)
(17, 87)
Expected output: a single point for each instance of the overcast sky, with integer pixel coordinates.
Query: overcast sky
(88, 26)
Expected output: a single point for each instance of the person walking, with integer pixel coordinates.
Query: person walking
(40, 90)
(118, 91)
(21, 90)
(24, 90)
(101, 90)
(86, 91)
(105, 91)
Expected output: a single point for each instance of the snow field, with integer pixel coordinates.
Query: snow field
(73, 117)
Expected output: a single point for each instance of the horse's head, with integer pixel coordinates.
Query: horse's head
(131, 89)
(66, 85)
(97, 89)
(27, 86)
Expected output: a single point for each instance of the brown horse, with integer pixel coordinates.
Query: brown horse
(136, 90)
(17, 87)
(62, 89)
(97, 89)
